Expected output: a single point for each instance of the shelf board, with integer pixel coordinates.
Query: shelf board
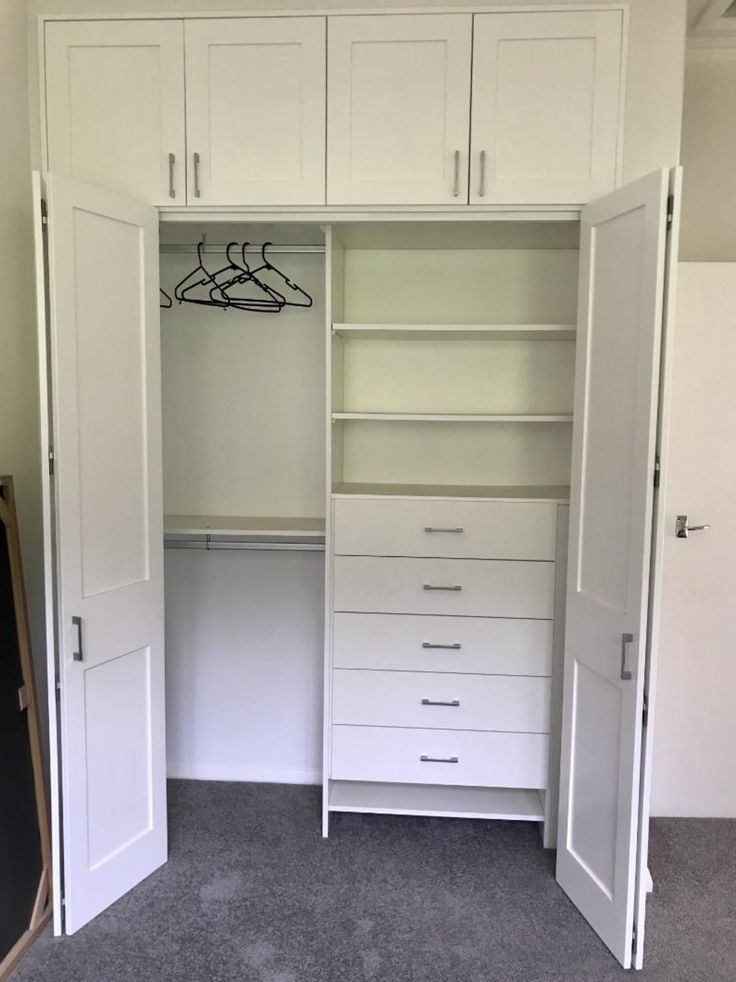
(458, 417)
(554, 493)
(517, 804)
(457, 332)
(270, 529)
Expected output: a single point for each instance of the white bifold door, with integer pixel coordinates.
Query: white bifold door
(604, 786)
(104, 534)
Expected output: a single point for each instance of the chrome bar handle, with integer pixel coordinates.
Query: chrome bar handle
(455, 646)
(197, 193)
(482, 186)
(172, 161)
(431, 529)
(456, 182)
(455, 589)
(433, 702)
(682, 529)
(78, 655)
(626, 640)
(426, 759)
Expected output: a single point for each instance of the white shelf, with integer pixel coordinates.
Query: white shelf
(458, 417)
(436, 800)
(270, 529)
(457, 332)
(553, 493)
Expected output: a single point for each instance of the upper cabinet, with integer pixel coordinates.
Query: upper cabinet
(546, 106)
(344, 110)
(115, 105)
(398, 112)
(256, 111)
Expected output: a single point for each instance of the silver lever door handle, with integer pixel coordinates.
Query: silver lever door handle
(172, 161)
(626, 640)
(78, 655)
(456, 181)
(682, 529)
(196, 158)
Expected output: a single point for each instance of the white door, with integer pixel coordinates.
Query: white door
(547, 100)
(115, 105)
(106, 430)
(399, 109)
(622, 278)
(256, 111)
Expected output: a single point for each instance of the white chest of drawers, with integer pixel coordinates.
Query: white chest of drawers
(441, 647)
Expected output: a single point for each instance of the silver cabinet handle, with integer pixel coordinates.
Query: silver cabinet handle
(78, 655)
(431, 529)
(456, 182)
(482, 185)
(682, 529)
(433, 702)
(172, 161)
(626, 640)
(426, 759)
(196, 158)
(455, 646)
(455, 589)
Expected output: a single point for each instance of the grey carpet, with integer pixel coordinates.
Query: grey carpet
(251, 893)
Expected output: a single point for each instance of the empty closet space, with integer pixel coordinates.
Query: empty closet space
(243, 478)
(453, 357)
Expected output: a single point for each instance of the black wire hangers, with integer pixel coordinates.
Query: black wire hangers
(265, 289)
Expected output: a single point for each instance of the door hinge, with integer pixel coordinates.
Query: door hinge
(44, 213)
(57, 687)
(645, 711)
(633, 940)
(52, 458)
(657, 471)
(670, 210)
(24, 697)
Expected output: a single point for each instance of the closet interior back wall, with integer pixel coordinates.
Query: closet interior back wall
(243, 435)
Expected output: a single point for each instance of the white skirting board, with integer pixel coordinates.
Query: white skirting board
(236, 772)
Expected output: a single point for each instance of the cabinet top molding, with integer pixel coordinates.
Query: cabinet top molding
(516, 8)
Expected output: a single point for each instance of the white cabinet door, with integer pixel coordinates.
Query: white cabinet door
(398, 107)
(623, 254)
(546, 106)
(115, 106)
(105, 409)
(256, 111)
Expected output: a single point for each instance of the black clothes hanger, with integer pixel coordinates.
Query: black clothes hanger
(269, 300)
(168, 303)
(199, 277)
(298, 296)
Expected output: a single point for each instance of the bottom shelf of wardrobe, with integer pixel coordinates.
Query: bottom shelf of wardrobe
(440, 801)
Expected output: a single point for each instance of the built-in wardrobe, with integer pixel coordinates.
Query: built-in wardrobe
(400, 539)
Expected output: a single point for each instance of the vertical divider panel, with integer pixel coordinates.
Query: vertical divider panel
(551, 795)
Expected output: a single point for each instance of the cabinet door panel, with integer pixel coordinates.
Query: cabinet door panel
(115, 105)
(546, 101)
(256, 110)
(399, 106)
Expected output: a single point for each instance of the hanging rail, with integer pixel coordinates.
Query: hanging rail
(253, 248)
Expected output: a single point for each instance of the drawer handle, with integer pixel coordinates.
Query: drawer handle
(426, 759)
(455, 589)
(455, 646)
(433, 702)
(432, 528)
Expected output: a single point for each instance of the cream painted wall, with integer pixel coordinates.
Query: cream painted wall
(655, 59)
(709, 155)
(19, 450)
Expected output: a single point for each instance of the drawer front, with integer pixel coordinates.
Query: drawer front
(489, 760)
(478, 645)
(482, 588)
(510, 703)
(445, 528)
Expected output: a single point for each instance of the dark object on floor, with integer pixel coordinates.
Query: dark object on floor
(253, 894)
